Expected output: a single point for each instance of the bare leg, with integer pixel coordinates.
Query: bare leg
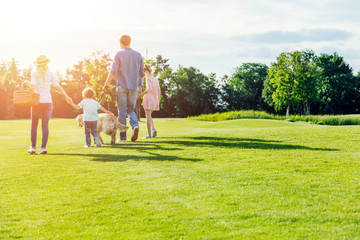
(149, 122)
(152, 122)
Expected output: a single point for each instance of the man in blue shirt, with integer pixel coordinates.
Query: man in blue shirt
(128, 68)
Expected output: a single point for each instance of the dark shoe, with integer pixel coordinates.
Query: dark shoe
(135, 134)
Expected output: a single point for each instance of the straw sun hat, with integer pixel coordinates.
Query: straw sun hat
(42, 60)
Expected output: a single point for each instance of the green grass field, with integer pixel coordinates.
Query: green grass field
(238, 179)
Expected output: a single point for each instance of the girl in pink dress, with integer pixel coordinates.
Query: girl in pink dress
(151, 100)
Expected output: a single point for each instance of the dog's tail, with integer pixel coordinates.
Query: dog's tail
(118, 125)
(121, 127)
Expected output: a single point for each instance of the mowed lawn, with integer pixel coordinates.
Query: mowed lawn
(238, 179)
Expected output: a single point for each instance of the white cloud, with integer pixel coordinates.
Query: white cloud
(196, 32)
(304, 35)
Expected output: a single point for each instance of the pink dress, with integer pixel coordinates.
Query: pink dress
(152, 98)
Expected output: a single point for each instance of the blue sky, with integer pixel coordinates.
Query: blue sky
(213, 35)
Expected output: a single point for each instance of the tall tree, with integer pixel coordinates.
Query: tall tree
(243, 89)
(89, 72)
(9, 80)
(338, 86)
(97, 69)
(3, 93)
(22, 112)
(293, 78)
(192, 92)
(162, 70)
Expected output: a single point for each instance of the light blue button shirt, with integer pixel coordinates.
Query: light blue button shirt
(90, 108)
(128, 66)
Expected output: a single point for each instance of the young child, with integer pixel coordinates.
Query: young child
(151, 100)
(90, 107)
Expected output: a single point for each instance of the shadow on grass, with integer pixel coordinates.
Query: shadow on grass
(202, 141)
(240, 143)
(140, 146)
(122, 158)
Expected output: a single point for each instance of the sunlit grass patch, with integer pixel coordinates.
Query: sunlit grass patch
(246, 178)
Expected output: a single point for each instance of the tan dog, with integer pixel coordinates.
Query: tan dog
(106, 123)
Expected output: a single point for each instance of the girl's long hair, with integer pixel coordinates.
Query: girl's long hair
(40, 72)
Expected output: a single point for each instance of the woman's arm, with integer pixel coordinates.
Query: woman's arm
(68, 99)
(74, 105)
(62, 91)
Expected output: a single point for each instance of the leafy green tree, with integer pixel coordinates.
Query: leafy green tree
(10, 79)
(307, 81)
(162, 70)
(90, 72)
(3, 94)
(267, 93)
(191, 92)
(244, 88)
(160, 64)
(338, 91)
(97, 69)
(167, 106)
(22, 112)
(293, 79)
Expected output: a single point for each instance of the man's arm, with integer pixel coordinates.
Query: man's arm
(108, 79)
(141, 70)
(113, 71)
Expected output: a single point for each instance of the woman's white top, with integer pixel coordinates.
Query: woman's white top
(43, 87)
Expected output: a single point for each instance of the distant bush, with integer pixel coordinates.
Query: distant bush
(316, 119)
(235, 115)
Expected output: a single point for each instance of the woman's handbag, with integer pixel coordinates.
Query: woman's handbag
(26, 97)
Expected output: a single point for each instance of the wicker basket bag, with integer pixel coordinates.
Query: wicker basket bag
(26, 97)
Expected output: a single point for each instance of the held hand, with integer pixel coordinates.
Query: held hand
(69, 100)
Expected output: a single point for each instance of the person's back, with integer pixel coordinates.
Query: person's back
(41, 80)
(90, 107)
(128, 68)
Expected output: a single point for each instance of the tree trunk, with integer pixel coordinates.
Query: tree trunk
(288, 110)
(307, 108)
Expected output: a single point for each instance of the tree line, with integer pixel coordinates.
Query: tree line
(298, 82)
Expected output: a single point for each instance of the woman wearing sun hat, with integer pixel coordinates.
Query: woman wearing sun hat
(41, 79)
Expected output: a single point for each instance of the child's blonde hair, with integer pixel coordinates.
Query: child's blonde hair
(147, 68)
(88, 93)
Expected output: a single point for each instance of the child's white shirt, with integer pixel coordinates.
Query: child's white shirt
(90, 108)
